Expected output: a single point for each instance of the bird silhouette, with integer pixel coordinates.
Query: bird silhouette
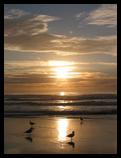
(71, 135)
(29, 130)
(31, 123)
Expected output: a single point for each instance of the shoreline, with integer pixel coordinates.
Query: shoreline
(59, 115)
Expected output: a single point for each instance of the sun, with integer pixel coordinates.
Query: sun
(61, 69)
(62, 72)
(62, 93)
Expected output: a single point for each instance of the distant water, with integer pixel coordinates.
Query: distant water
(35, 105)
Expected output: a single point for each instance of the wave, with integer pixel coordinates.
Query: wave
(54, 100)
(34, 105)
(58, 97)
(39, 113)
(86, 103)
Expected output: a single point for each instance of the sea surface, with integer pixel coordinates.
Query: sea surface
(37, 105)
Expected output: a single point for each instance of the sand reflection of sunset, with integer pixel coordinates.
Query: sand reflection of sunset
(62, 129)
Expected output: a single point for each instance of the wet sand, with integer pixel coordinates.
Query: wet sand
(95, 135)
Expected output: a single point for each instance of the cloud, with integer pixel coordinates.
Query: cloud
(41, 83)
(102, 86)
(30, 34)
(80, 15)
(44, 18)
(18, 24)
(28, 78)
(20, 27)
(96, 45)
(38, 71)
(46, 42)
(45, 78)
(48, 68)
(52, 63)
(105, 15)
(14, 14)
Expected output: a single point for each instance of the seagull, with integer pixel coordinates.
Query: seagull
(29, 130)
(71, 135)
(31, 123)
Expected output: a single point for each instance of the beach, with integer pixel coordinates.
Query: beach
(60, 79)
(94, 135)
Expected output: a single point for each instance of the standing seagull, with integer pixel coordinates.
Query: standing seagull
(31, 123)
(71, 135)
(29, 130)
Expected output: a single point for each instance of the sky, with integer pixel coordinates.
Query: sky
(55, 48)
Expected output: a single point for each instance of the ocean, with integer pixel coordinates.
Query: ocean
(37, 105)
